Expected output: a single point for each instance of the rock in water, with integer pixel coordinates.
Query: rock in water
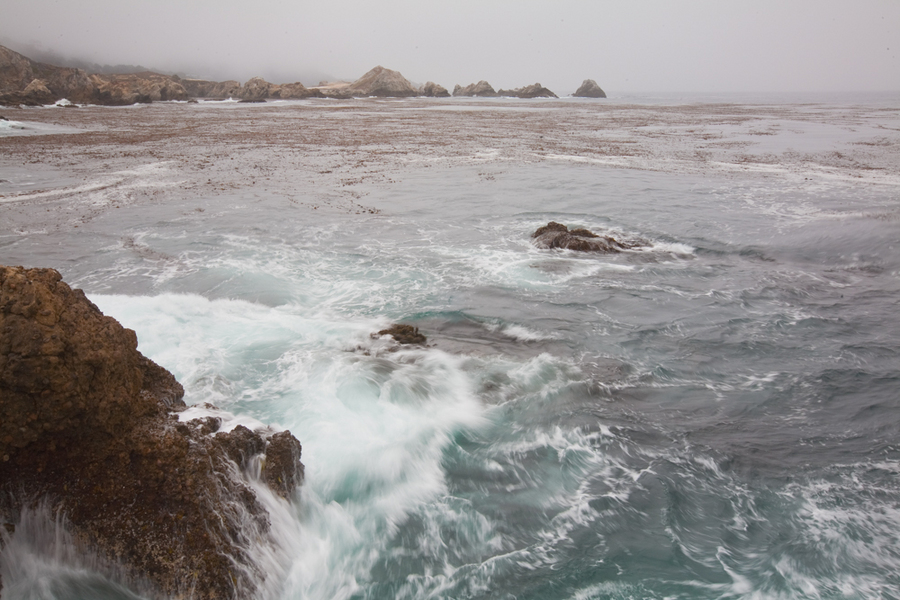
(433, 90)
(482, 89)
(557, 235)
(589, 89)
(382, 82)
(535, 90)
(86, 424)
(405, 334)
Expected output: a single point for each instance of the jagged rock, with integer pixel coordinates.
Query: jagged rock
(535, 90)
(589, 89)
(257, 88)
(16, 71)
(198, 88)
(405, 334)
(433, 90)
(382, 82)
(482, 88)
(225, 89)
(241, 444)
(283, 470)
(85, 424)
(37, 92)
(119, 90)
(295, 91)
(557, 235)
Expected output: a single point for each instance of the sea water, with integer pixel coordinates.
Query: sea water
(714, 414)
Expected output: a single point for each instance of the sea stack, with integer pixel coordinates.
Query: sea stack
(589, 89)
(91, 427)
(535, 90)
(384, 83)
(482, 89)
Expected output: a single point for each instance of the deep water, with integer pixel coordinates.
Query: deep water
(715, 415)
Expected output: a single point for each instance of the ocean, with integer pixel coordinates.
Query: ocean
(715, 414)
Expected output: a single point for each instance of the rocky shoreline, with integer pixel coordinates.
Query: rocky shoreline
(91, 426)
(25, 82)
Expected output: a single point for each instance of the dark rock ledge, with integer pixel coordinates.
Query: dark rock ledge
(557, 235)
(87, 424)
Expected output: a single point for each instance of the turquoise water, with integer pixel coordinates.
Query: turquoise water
(713, 416)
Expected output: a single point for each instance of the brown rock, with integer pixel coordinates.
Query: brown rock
(283, 471)
(589, 89)
(482, 89)
(134, 88)
(557, 235)
(433, 90)
(240, 444)
(535, 90)
(405, 334)
(85, 424)
(382, 82)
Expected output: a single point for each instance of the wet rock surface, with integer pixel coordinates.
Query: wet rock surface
(86, 424)
(557, 235)
(404, 334)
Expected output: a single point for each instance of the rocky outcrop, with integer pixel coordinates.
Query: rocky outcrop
(225, 89)
(404, 334)
(482, 88)
(433, 90)
(556, 235)
(18, 72)
(134, 88)
(198, 88)
(295, 91)
(535, 90)
(257, 88)
(383, 83)
(87, 423)
(589, 89)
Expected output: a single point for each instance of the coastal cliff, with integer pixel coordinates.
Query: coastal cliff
(91, 426)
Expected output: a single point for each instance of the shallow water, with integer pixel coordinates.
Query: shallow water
(714, 415)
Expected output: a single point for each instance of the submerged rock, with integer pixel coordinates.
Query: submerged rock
(589, 89)
(557, 235)
(405, 334)
(86, 424)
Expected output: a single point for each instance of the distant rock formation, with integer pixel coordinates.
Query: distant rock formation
(257, 88)
(482, 88)
(19, 73)
(137, 88)
(87, 423)
(384, 83)
(557, 235)
(535, 90)
(433, 90)
(589, 89)
(225, 89)
(295, 91)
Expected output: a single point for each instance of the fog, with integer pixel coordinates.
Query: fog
(626, 46)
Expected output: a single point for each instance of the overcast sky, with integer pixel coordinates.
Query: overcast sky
(626, 46)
